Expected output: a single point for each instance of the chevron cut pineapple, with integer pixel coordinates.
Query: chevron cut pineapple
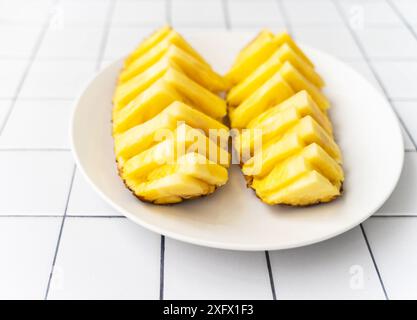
(285, 138)
(169, 138)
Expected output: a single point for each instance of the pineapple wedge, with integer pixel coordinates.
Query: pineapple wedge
(191, 176)
(261, 48)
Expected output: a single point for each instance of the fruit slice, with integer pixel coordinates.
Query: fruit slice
(184, 140)
(312, 157)
(273, 91)
(309, 189)
(149, 57)
(307, 131)
(148, 104)
(145, 135)
(298, 82)
(191, 176)
(284, 37)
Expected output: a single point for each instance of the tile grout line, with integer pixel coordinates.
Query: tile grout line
(374, 262)
(162, 269)
(402, 18)
(106, 32)
(168, 12)
(60, 234)
(371, 67)
(226, 14)
(271, 276)
(285, 18)
(32, 57)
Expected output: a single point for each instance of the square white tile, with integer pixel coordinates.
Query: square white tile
(403, 200)
(34, 182)
(340, 268)
(194, 272)
(85, 201)
(22, 12)
(106, 258)
(27, 247)
(363, 68)
(37, 124)
(260, 14)
(122, 40)
(408, 113)
(362, 14)
(144, 12)
(81, 12)
(197, 13)
(408, 9)
(335, 40)
(71, 42)
(398, 78)
(388, 42)
(57, 79)
(318, 12)
(393, 244)
(18, 41)
(10, 76)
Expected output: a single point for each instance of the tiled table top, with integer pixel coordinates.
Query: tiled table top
(58, 239)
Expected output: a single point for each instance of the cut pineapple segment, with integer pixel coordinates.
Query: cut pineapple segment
(263, 36)
(309, 189)
(307, 131)
(143, 136)
(274, 91)
(149, 57)
(313, 157)
(185, 140)
(277, 120)
(191, 176)
(283, 38)
(298, 82)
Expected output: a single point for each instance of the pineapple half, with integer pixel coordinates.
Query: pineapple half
(169, 139)
(287, 150)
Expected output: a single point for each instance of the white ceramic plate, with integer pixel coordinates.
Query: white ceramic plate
(233, 218)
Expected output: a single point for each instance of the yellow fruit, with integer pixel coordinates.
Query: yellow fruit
(154, 53)
(270, 93)
(298, 82)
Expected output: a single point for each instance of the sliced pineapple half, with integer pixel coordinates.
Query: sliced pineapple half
(169, 139)
(286, 143)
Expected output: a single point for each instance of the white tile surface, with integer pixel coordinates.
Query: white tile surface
(122, 40)
(37, 124)
(110, 258)
(363, 68)
(408, 9)
(85, 201)
(362, 14)
(71, 42)
(398, 77)
(319, 12)
(81, 12)
(4, 107)
(340, 268)
(10, 76)
(193, 272)
(393, 244)
(17, 41)
(57, 79)
(144, 12)
(408, 113)
(27, 247)
(403, 200)
(34, 183)
(336, 40)
(392, 42)
(408, 144)
(197, 13)
(260, 14)
(24, 12)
